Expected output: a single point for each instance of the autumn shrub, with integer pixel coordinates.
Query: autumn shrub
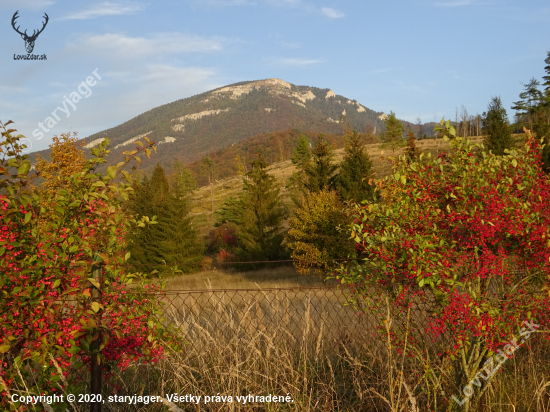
(223, 237)
(459, 261)
(207, 263)
(54, 316)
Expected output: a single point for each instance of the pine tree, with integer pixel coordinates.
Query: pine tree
(545, 123)
(354, 178)
(498, 136)
(261, 225)
(533, 111)
(528, 107)
(547, 77)
(320, 172)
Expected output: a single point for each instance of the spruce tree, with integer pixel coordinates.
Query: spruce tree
(302, 152)
(173, 240)
(261, 225)
(320, 172)
(182, 178)
(300, 158)
(392, 137)
(498, 136)
(355, 170)
(180, 245)
(231, 211)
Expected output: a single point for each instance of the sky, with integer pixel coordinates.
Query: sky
(419, 59)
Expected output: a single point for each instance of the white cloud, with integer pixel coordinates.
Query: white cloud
(295, 61)
(121, 46)
(103, 9)
(463, 3)
(26, 4)
(379, 71)
(308, 7)
(159, 84)
(458, 3)
(332, 13)
(229, 3)
(290, 45)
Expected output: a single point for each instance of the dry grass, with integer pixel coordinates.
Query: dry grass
(311, 346)
(281, 277)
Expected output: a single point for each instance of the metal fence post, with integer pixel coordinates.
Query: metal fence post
(95, 383)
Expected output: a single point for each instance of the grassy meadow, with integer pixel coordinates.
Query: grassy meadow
(310, 345)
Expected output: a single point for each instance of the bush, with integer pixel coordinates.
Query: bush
(448, 247)
(53, 314)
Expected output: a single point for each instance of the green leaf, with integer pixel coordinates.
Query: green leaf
(24, 167)
(99, 183)
(111, 171)
(514, 162)
(28, 217)
(94, 282)
(4, 348)
(127, 256)
(2, 250)
(95, 307)
(56, 283)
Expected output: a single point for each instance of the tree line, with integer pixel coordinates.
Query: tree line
(256, 225)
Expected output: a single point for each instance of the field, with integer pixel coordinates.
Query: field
(201, 199)
(302, 340)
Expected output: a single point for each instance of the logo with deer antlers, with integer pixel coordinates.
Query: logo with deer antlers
(29, 40)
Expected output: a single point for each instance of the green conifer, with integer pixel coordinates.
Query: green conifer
(355, 170)
(300, 158)
(231, 211)
(320, 172)
(261, 225)
(498, 136)
(302, 152)
(173, 240)
(392, 137)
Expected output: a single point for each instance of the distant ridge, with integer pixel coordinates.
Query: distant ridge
(190, 128)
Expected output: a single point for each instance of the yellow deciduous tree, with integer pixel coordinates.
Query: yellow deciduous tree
(66, 158)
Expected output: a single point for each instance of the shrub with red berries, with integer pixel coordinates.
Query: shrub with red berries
(464, 244)
(51, 308)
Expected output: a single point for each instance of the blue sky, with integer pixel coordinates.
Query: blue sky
(417, 58)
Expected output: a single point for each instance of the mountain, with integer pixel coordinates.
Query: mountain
(188, 129)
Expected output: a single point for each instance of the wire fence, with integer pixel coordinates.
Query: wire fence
(302, 320)
(268, 317)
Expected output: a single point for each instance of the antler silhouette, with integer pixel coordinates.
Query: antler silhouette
(15, 16)
(29, 40)
(42, 29)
